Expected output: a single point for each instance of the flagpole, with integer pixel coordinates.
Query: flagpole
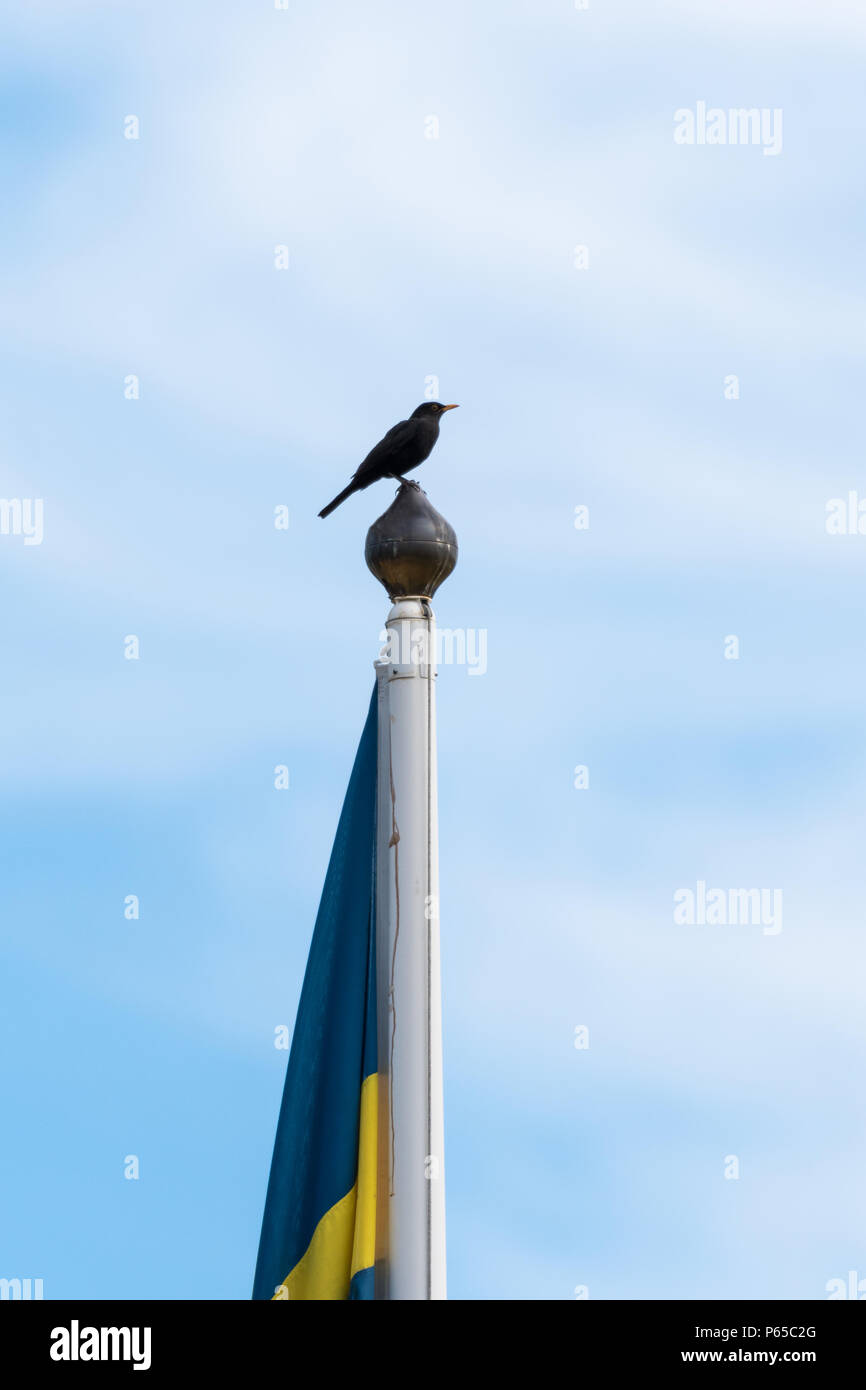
(411, 550)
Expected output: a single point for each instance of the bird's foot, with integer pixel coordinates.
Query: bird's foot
(407, 482)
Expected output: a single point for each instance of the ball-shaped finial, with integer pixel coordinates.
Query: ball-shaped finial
(411, 549)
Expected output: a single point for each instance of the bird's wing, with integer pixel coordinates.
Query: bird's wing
(397, 437)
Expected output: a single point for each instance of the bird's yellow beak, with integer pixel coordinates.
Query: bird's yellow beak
(450, 407)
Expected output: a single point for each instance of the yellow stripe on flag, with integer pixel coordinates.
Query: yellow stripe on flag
(344, 1241)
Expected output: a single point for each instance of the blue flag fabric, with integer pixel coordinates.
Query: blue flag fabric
(319, 1226)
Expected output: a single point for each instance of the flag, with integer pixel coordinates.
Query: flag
(319, 1227)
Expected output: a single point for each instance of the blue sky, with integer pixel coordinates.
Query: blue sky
(453, 257)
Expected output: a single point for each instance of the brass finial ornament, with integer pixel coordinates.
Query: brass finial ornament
(411, 549)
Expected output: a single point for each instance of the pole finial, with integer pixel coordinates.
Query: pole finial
(411, 549)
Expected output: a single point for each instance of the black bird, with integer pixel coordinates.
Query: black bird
(403, 448)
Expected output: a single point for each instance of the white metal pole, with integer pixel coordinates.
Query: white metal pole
(410, 1262)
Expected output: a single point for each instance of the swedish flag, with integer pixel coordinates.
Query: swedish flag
(319, 1228)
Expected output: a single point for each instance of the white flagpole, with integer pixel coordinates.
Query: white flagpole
(410, 1255)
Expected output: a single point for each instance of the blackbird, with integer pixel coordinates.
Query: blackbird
(403, 448)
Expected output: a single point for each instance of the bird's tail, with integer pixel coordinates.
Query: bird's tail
(340, 497)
